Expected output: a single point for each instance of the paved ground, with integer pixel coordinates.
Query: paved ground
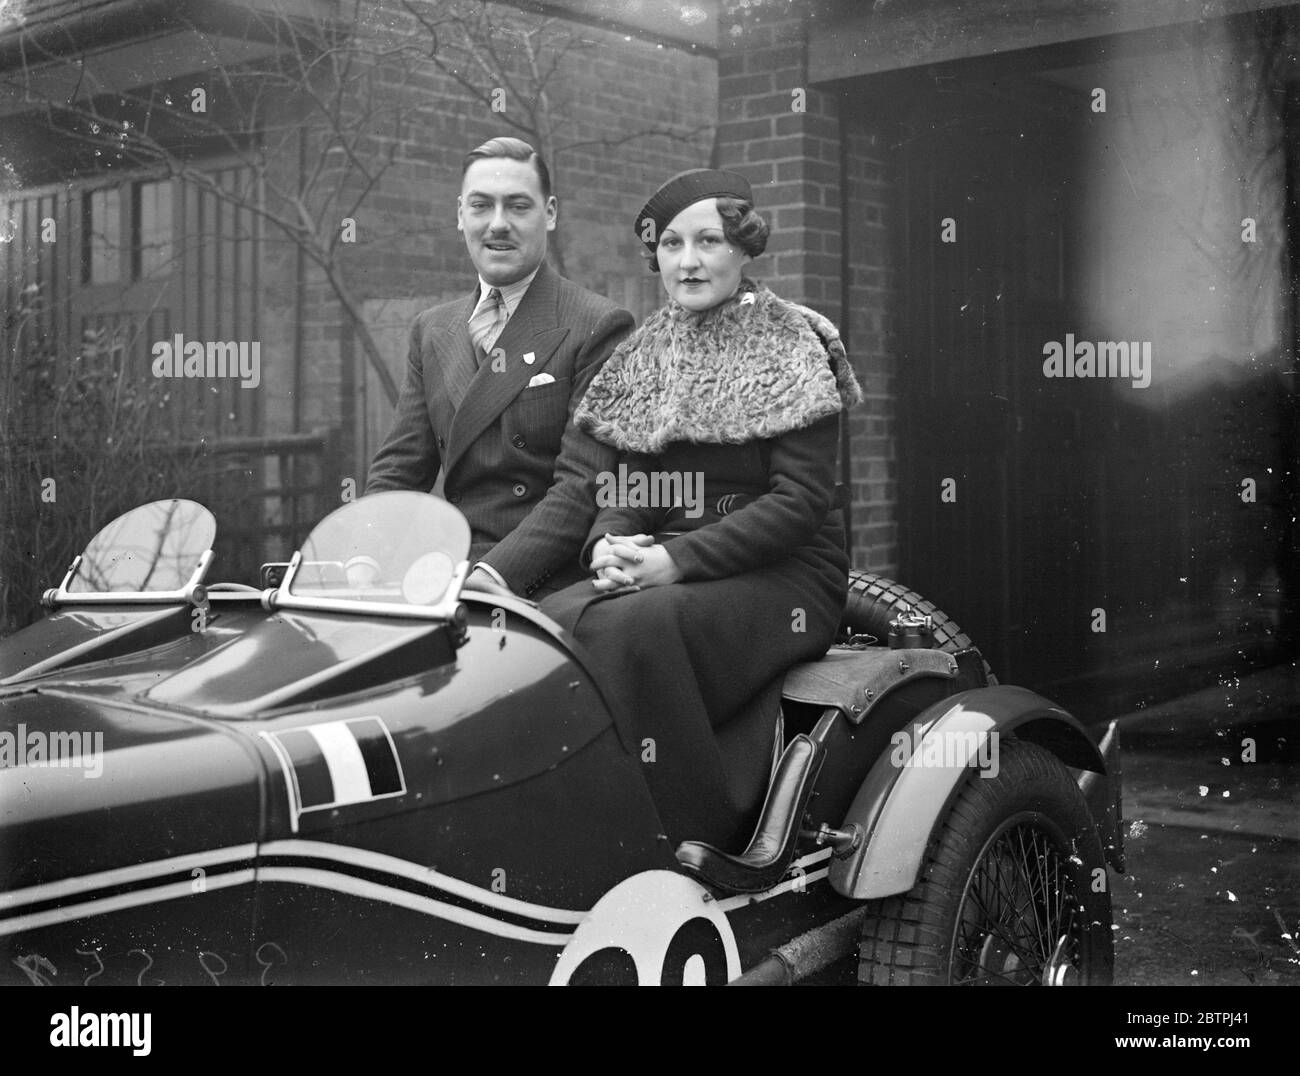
(1212, 891)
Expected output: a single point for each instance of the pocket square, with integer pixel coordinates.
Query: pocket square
(540, 379)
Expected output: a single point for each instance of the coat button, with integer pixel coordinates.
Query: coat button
(454, 498)
(440, 443)
(518, 440)
(520, 489)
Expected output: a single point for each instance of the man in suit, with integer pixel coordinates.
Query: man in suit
(492, 381)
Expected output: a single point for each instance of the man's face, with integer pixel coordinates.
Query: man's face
(505, 218)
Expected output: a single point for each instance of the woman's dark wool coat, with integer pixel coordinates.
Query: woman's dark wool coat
(693, 669)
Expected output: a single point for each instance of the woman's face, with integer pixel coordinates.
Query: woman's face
(699, 265)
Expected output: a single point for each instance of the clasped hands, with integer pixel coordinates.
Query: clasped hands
(631, 560)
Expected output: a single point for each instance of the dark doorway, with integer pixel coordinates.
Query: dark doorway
(1093, 548)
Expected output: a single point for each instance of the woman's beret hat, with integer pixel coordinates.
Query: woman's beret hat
(687, 188)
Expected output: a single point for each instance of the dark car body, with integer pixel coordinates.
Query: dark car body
(251, 792)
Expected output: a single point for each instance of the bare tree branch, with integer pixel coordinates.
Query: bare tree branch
(345, 87)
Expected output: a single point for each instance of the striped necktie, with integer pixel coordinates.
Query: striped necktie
(486, 322)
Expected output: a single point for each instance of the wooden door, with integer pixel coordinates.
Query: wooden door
(991, 527)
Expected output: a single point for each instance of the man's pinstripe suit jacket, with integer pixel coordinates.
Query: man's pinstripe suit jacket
(512, 461)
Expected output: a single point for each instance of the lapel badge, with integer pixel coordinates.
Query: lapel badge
(530, 357)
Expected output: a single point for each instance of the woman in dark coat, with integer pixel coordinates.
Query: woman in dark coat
(726, 402)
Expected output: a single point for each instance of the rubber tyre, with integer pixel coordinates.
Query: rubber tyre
(874, 600)
(912, 939)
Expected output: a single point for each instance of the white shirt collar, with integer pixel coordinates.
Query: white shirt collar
(511, 294)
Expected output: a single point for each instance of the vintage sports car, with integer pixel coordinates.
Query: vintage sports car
(361, 774)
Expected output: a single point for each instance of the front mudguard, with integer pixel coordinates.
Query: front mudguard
(908, 791)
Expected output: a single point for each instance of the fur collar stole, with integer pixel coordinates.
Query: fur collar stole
(751, 368)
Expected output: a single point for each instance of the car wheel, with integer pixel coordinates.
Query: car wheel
(1013, 889)
(874, 600)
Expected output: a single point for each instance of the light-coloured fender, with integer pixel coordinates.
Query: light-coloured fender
(908, 790)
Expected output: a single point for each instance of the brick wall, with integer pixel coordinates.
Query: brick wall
(785, 136)
(627, 114)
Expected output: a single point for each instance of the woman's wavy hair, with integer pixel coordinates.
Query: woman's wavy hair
(741, 224)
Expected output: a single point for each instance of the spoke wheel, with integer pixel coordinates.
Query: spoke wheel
(1012, 890)
(1019, 919)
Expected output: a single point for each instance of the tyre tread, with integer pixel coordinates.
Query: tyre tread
(874, 599)
(903, 939)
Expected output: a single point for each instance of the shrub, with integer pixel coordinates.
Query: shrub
(76, 450)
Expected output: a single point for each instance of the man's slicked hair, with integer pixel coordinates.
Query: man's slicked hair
(516, 149)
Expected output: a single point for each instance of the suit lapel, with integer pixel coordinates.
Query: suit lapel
(459, 363)
(531, 333)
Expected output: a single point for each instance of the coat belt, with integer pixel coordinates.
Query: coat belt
(720, 506)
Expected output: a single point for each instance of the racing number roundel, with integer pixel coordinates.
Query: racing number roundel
(655, 928)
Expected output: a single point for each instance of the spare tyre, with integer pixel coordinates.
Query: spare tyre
(873, 601)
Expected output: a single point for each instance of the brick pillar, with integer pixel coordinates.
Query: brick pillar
(783, 136)
(872, 297)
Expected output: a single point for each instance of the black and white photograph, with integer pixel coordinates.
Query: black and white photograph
(651, 492)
